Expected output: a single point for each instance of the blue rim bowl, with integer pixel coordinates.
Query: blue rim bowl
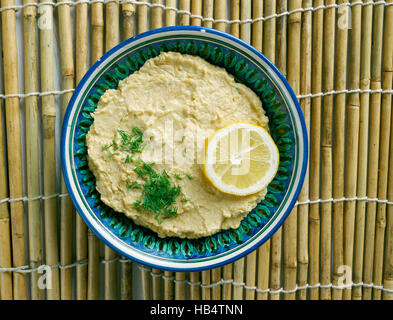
(286, 124)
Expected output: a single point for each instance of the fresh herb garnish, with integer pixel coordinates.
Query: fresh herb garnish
(112, 154)
(190, 177)
(132, 185)
(128, 159)
(158, 192)
(131, 142)
(177, 176)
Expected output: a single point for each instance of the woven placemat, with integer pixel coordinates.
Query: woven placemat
(336, 244)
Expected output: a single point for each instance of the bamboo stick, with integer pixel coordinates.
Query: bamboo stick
(326, 150)
(245, 14)
(6, 290)
(184, 19)
(269, 30)
(196, 9)
(388, 260)
(383, 152)
(170, 15)
(111, 39)
(257, 27)
(111, 24)
(97, 50)
(81, 17)
(206, 291)
(194, 287)
(66, 213)
(315, 137)
(367, 18)
(220, 14)
(168, 285)
(281, 37)
(216, 277)
(156, 15)
(269, 50)
(235, 15)
(263, 271)
(142, 25)
(145, 281)
(208, 13)
(373, 149)
(32, 136)
(305, 88)
(125, 279)
(128, 11)
(388, 270)
(251, 261)
(290, 225)
(276, 240)
(80, 69)
(351, 159)
(156, 284)
(180, 286)
(97, 31)
(49, 174)
(339, 147)
(93, 266)
(227, 285)
(238, 276)
(10, 69)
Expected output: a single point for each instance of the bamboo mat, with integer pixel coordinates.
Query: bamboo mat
(338, 241)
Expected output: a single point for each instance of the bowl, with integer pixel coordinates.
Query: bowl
(286, 124)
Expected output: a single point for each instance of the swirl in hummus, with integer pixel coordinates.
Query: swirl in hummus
(177, 101)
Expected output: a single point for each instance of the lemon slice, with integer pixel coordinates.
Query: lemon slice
(240, 159)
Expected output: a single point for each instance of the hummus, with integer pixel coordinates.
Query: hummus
(177, 101)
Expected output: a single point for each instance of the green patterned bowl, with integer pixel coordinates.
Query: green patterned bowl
(286, 124)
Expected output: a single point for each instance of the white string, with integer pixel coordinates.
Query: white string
(271, 291)
(25, 269)
(40, 197)
(32, 94)
(334, 92)
(366, 199)
(311, 95)
(188, 13)
(298, 203)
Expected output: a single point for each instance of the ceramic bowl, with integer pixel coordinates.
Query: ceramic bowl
(286, 125)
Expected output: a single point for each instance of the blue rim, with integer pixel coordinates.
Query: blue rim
(224, 35)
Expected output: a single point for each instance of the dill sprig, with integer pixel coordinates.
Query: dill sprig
(132, 185)
(131, 142)
(177, 176)
(158, 192)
